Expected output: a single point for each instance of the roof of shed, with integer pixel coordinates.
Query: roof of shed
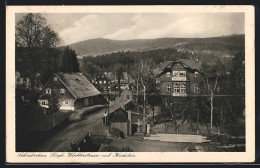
(78, 85)
(119, 115)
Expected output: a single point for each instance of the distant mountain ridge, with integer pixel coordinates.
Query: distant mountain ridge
(99, 46)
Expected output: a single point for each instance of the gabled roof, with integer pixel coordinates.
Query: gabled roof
(159, 69)
(163, 65)
(193, 64)
(78, 85)
(119, 115)
(187, 63)
(105, 75)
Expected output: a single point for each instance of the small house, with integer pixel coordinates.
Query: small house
(119, 123)
(103, 83)
(72, 90)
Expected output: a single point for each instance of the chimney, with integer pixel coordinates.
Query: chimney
(130, 122)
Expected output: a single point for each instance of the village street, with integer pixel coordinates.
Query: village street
(74, 132)
(91, 123)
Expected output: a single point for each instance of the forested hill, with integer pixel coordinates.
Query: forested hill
(101, 46)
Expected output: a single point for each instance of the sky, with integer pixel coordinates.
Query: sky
(74, 27)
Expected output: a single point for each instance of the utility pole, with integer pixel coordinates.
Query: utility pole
(137, 89)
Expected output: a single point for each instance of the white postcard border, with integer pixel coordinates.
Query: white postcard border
(139, 157)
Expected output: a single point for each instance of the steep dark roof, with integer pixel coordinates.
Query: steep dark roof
(165, 64)
(160, 67)
(193, 64)
(119, 115)
(105, 75)
(187, 63)
(78, 85)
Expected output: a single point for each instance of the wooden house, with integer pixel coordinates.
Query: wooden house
(103, 83)
(181, 77)
(72, 90)
(119, 121)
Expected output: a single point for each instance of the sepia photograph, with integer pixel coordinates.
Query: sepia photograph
(112, 82)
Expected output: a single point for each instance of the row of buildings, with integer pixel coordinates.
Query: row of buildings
(108, 81)
(182, 77)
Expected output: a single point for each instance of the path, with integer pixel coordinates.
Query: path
(149, 146)
(177, 138)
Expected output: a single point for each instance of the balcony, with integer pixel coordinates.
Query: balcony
(179, 94)
(179, 78)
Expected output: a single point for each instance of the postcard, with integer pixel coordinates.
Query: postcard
(130, 84)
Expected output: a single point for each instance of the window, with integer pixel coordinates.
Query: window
(168, 74)
(105, 82)
(182, 73)
(182, 87)
(66, 102)
(179, 87)
(62, 91)
(196, 74)
(176, 88)
(196, 88)
(169, 88)
(48, 91)
(178, 75)
(100, 82)
(175, 73)
(44, 102)
(55, 78)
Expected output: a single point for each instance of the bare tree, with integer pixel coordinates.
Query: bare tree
(141, 73)
(212, 73)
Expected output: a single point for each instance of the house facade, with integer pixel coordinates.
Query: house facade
(103, 83)
(181, 78)
(72, 90)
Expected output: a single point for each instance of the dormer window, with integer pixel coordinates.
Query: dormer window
(168, 74)
(55, 78)
(48, 91)
(62, 91)
(196, 74)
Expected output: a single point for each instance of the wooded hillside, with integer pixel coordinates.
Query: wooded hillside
(99, 46)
